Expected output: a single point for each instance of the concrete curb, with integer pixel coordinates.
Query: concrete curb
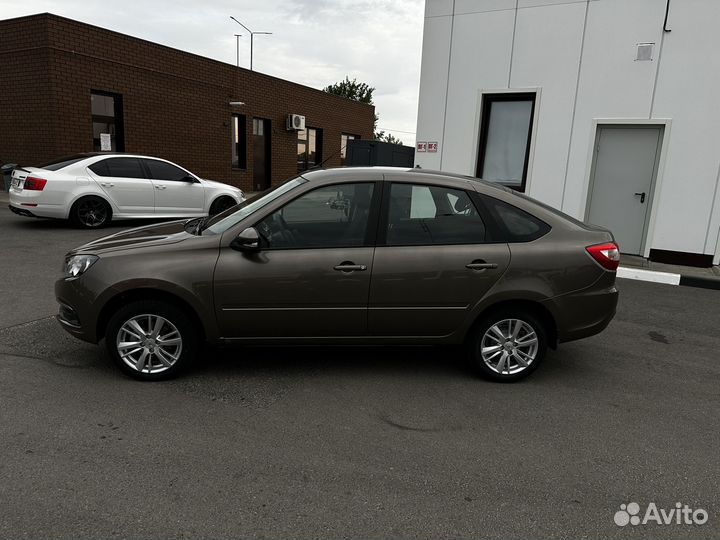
(669, 278)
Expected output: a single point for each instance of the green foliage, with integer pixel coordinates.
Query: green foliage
(362, 92)
(357, 91)
(387, 137)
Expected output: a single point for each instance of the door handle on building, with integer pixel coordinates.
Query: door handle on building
(642, 197)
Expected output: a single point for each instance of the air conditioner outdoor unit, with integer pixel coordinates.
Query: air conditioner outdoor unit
(295, 122)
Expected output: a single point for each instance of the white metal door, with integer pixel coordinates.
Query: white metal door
(624, 169)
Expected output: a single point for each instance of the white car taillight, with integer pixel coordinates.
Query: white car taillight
(34, 184)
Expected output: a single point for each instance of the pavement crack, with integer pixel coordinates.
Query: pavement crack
(26, 323)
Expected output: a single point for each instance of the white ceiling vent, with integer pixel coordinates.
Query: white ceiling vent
(644, 51)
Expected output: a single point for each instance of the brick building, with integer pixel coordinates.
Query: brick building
(64, 83)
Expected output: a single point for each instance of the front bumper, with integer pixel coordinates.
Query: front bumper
(76, 313)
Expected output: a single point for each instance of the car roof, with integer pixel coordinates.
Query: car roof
(394, 174)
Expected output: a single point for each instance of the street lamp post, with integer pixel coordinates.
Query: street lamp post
(252, 35)
(237, 49)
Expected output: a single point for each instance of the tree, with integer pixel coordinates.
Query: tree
(362, 92)
(387, 137)
(357, 91)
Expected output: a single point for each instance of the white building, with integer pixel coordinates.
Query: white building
(606, 109)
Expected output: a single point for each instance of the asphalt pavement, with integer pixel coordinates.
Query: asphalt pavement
(352, 443)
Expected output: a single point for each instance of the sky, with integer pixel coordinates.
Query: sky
(313, 42)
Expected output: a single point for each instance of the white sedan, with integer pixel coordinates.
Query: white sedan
(91, 189)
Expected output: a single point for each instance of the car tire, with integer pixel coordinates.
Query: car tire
(151, 340)
(90, 213)
(507, 345)
(221, 204)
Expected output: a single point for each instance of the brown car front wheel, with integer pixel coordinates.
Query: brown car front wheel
(151, 340)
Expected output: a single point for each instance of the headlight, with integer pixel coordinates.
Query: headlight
(78, 264)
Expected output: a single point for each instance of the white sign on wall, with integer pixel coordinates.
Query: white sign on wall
(432, 146)
(105, 143)
(421, 146)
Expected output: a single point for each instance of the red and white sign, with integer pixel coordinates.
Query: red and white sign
(432, 146)
(422, 146)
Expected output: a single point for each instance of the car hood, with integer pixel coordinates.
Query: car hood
(220, 185)
(150, 235)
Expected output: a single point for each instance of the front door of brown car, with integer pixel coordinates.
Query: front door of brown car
(435, 264)
(311, 277)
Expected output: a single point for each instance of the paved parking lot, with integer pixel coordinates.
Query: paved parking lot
(361, 443)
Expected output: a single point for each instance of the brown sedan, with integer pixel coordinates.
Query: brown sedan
(348, 256)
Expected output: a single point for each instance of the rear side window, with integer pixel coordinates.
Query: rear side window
(516, 224)
(119, 168)
(161, 170)
(432, 215)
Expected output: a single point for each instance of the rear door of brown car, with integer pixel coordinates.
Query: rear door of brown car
(434, 260)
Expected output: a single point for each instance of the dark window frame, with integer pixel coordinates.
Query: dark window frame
(239, 148)
(118, 117)
(318, 149)
(343, 148)
(487, 101)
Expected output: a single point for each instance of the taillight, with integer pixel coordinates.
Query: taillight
(607, 255)
(34, 184)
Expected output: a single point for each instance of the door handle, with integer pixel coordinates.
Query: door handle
(481, 265)
(348, 266)
(642, 197)
(107, 184)
(160, 187)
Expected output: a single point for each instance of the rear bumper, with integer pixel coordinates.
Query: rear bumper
(20, 211)
(584, 313)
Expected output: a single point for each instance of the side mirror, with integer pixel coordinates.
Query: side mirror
(189, 179)
(248, 240)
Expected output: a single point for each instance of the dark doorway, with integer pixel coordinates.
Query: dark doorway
(107, 121)
(261, 154)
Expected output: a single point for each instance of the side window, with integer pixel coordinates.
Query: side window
(426, 215)
(161, 170)
(100, 168)
(330, 216)
(518, 225)
(124, 168)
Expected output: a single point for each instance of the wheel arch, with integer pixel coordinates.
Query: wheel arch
(544, 315)
(85, 194)
(219, 197)
(146, 293)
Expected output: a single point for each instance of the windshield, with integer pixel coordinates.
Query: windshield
(57, 164)
(224, 220)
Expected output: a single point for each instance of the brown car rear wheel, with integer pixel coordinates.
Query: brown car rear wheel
(507, 345)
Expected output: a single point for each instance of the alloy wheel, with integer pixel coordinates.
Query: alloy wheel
(92, 212)
(149, 343)
(509, 346)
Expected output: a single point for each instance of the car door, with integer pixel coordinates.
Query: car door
(434, 261)
(177, 193)
(312, 275)
(123, 181)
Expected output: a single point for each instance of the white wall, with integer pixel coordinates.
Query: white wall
(580, 57)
